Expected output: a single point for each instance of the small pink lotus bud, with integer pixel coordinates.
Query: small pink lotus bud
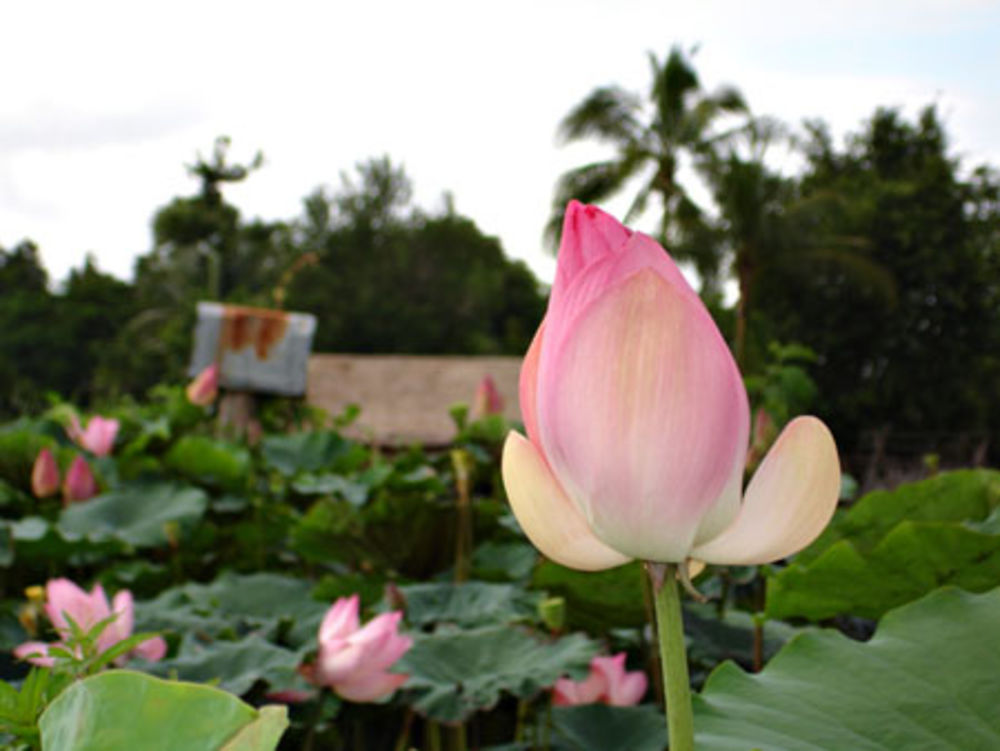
(353, 660)
(205, 386)
(45, 475)
(608, 683)
(488, 400)
(98, 438)
(79, 484)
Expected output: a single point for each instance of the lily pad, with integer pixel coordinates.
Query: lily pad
(928, 679)
(456, 673)
(210, 461)
(469, 604)
(894, 547)
(140, 515)
(120, 709)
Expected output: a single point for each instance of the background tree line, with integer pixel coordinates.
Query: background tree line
(875, 269)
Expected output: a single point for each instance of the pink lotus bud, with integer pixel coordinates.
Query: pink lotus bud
(488, 400)
(608, 683)
(44, 475)
(98, 438)
(354, 660)
(65, 600)
(79, 484)
(205, 386)
(638, 422)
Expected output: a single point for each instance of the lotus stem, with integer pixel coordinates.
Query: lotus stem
(673, 656)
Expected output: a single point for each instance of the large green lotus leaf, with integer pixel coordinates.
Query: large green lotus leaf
(958, 496)
(456, 673)
(469, 604)
(140, 515)
(210, 461)
(894, 547)
(310, 452)
(504, 561)
(234, 605)
(598, 727)
(234, 666)
(929, 679)
(124, 710)
(597, 601)
(351, 491)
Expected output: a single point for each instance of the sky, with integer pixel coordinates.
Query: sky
(103, 103)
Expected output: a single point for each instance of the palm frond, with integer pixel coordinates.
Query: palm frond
(609, 113)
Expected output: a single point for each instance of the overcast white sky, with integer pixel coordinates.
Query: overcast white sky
(103, 102)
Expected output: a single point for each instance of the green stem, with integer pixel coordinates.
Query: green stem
(673, 656)
(459, 740)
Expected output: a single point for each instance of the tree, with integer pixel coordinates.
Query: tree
(650, 138)
(919, 362)
(389, 278)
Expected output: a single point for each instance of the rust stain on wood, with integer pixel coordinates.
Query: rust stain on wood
(257, 327)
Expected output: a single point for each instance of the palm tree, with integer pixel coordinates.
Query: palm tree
(649, 139)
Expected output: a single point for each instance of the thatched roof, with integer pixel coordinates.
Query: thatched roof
(405, 398)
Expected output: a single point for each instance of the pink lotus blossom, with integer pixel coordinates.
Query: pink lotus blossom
(79, 484)
(205, 386)
(98, 438)
(66, 600)
(608, 683)
(354, 660)
(487, 401)
(45, 475)
(638, 422)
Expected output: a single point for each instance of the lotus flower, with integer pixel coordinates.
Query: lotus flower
(79, 484)
(608, 683)
(44, 475)
(354, 660)
(98, 438)
(64, 598)
(487, 401)
(638, 422)
(205, 386)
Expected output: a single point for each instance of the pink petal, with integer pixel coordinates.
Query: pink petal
(341, 620)
(588, 235)
(152, 649)
(528, 385)
(547, 516)
(37, 648)
(370, 686)
(642, 412)
(121, 627)
(63, 597)
(566, 692)
(789, 501)
(623, 688)
(205, 386)
(79, 484)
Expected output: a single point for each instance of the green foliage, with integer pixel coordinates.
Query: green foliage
(597, 601)
(597, 727)
(469, 604)
(20, 709)
(140, 515)
(928, 679)
(455, 673)
(122, 709)
(214, 462)
(893, 547)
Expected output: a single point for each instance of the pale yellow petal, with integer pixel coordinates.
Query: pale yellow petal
(547, 516)
(789, 501)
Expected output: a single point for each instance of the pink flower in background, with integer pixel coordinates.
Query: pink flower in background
(488, 400)
(64, 598)
(205, 386)
(638, 422)
(98, 438)
(45, 475)
(79, 484)
(608, 683)
(354, 660)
